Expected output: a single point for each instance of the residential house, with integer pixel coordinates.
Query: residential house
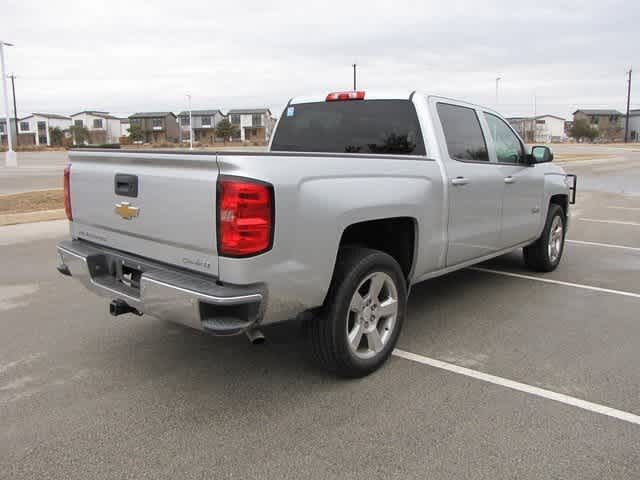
(549, 128)
(102, 127)
(540, 129)
(125, 123)
(609, 123)
(34, 129)
(204, 124)
(4, 130)
(156, 126)
(254, 125)
(634, 125)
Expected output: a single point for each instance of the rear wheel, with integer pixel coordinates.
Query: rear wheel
(363, 313)
(544, 255)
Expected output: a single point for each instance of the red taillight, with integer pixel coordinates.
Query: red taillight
(67, 192)
(245, 217)
(342, 96)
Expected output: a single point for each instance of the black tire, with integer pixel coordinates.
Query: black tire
(536, 255)
(330, 345)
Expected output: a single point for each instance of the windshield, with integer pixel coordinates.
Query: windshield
(371, 126)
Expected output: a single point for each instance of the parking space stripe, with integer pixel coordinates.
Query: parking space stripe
(608, 245)
(557, 282)
(617, 222)
(625, 208)
(521, 387)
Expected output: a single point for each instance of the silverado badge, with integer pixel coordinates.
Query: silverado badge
(126, 211)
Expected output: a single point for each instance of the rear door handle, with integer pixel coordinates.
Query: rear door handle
(509, 179)
(459, 181)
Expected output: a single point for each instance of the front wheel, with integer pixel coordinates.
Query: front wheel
(544, 255)
(363, 313)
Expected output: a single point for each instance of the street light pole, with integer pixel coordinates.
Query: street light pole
(15, 108)
(497, 82)
(190, 125)
(354, 77)
(10, 160)
(626, 123)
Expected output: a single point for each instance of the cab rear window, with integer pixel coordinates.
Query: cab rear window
(371, 126)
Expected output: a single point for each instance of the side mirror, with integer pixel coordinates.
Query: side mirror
(541, 154)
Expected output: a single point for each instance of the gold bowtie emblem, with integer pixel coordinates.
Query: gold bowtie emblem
(126, 211)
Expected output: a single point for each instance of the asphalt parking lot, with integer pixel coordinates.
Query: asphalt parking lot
(499, 373)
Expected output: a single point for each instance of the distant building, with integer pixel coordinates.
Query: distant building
(634, 125)
(540, 129)
(254, 125)
(4, 130)
(102, 127)
(34, 129)
(125, 123)
(157, 126)
(204, 124)
(609, 123)
(525, 127)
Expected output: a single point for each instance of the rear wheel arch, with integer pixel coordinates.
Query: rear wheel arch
(395, 236)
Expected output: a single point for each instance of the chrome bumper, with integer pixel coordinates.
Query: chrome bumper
(162, 291)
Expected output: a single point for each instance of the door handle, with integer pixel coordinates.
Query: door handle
(509, 179)
(459, 181)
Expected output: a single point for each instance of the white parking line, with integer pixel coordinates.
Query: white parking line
(625, 208)
(556, 282)
(608, 245)
(521, 387)
(618, 222)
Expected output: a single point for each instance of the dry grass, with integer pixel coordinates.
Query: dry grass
(32, 201)
(574, 156)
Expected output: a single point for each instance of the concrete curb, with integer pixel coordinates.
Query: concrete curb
(29, 217)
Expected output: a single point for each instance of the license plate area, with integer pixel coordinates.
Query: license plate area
(125, 273)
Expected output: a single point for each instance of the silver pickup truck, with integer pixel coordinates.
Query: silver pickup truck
(359, 197)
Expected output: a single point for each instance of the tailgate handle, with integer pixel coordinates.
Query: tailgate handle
(126, 185)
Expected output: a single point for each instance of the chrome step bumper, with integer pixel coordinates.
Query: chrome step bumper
(163, 291)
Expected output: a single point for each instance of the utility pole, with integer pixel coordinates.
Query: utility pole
(15, 110)
(11, 160)
(190, 124)
(497, 83)
(626, 125)
(354, 77)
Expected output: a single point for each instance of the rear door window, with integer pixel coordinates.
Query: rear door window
(369, 126)
(463, 133)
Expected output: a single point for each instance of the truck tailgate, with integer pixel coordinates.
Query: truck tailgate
(171, 218)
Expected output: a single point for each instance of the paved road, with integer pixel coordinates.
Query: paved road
(36, 171)
(84, 395)
(43, 170)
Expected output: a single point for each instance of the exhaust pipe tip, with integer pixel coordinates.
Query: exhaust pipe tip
(256, 337)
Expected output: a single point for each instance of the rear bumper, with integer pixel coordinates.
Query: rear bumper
(163, 291)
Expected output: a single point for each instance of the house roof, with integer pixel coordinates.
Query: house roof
(249, 110)
(599, 112)
(151, 114)
(49, 115)
(200, 112)
(551, 116)
(96, 113)
(634, 113)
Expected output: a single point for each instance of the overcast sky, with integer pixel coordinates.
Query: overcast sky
(126, 56)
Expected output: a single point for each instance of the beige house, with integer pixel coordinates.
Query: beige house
(102, 127)
(254, 124)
